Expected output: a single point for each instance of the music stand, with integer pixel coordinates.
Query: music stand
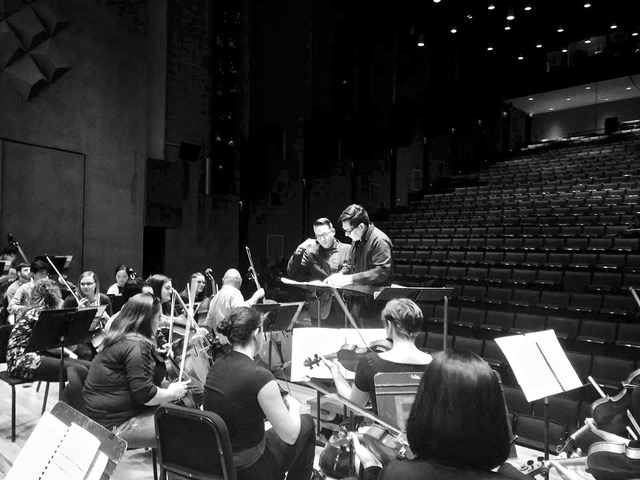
(279, 317)
(6, 266)
(59, 328)
(61, 262)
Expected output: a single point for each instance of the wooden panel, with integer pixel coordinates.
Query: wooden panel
(42, 201)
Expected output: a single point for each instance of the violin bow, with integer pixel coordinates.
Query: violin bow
(634, 423)
(63, 280)
(253, 268)
(173, 309)
(343, 305)
(186, 333)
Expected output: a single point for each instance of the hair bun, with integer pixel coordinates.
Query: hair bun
(225, 327)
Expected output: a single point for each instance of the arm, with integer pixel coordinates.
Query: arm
(16, 305)
(299, 261)
(344, 388)
(113, 290)
(285, 421)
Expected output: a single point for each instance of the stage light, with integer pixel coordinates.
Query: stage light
(491, 6)
(587, 41)
(454, 29)
(507, 26)
(421, 41)
(510, 15)
(538, 45)
(564, 50)
(560, 29)
(614, 26)
(520, 57)
(587, 4)
(530, 98)
(490, 48)
(527, 7)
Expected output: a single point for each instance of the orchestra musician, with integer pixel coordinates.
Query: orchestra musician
(243, 394)
(19, 302)
(122, 275)
(89, 294)
(458, 427)
(370, 261)
(45, 295)
(316, 259)
(23, 270)
(125, 379)
(228, 298)
(199, 295)
(402, 319)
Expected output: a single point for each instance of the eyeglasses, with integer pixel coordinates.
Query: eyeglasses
(351, 229)
(324, 235)
(87, 284)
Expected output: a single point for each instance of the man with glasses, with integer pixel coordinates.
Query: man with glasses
(316, 259)
(370, 261)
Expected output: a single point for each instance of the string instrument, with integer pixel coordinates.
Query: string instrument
(174, 375)
(609, 413)
(350, 355)
(382, 438)
(195, 357)
(12, 241)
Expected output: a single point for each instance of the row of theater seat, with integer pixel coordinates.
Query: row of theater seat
(601, 215)
(578, 333)
(548, 244)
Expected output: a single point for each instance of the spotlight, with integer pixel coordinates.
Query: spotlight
(560, 29)
(436, 1)
(538, 45)
(587, 4)
(507, 26)
(527, 7)
(491, 6)
(421, 40)
(614, 26)
(530, 98)
(564, 50)
(634, 34)
(587, 41)
(520, 57)
(454, 29)
(510, 15)
(490, 48)
(469, 16)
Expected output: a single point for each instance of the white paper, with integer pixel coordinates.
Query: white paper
(306, 342)
(539, 364)
(55, 452)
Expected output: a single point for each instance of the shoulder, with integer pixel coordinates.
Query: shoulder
(378, 235)
(113, 289)
(104, 299)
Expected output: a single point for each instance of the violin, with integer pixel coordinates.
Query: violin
(350, 355)
(609, 413)
(607, 461)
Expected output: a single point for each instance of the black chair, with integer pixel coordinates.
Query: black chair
(5, 333)
(193, 444)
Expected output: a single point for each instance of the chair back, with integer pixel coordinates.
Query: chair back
(72, 394)
(395, 393)
(193, 443)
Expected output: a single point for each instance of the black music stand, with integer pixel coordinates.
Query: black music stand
(5, 266)
(280, 317)
(59, 328)
(60, 261)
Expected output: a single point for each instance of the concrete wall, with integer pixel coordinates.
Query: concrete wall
(97, 109)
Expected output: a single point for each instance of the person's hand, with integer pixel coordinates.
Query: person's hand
(308, 243)
(177, 390)
(330, 364)
(366, 456)
(567, 474)
(606, 436)
(83, 302)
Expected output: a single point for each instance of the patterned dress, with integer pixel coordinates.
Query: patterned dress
(20, 364)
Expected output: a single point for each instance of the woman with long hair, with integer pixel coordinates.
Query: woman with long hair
(121, 276)
(243, 394)
(124, 384)
(45, 295)
(402, 319)
(458, 427)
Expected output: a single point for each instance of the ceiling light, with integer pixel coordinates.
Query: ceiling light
(550, 108)
(568, 99)
(530, 98)
(560, 29)
(491, 6)
(507, 26)
(469, 16)
(614, 26)
(421, 41)
(606, 99)
(520, 57)
(564, 50)
(490, 48)
(628, 88)
(510, 15)
(587, 4)
(527, 7)
(436, 1)
(634, 34)
(587, 41)
(538, 45)
(587, 88)
(454, 29)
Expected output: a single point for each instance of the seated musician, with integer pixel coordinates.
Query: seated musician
(200, 286)
(23, 270)
(124, 381)
(458, 427)
(45, 295)
(228, 298)
(20, 300)
(122, 275)
(243, 394)
(402, 319)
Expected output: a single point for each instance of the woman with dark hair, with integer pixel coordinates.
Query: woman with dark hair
(124, 381)
(162, 289)
(458, 427)
(122, 275)
(45, 295)
(243, 394)
(199, 292)
(402, 319)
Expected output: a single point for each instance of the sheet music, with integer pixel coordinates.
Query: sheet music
(306, 342)
(539, 364)
(56, 452)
